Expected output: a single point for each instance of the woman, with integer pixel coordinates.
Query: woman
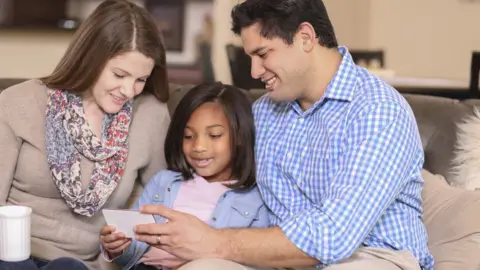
(78, 140)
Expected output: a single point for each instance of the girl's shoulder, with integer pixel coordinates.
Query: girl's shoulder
(249, 196)
(165, 177)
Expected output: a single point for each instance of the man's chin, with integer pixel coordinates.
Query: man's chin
(277, 97)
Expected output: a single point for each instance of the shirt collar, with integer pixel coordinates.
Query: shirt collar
(342, 85)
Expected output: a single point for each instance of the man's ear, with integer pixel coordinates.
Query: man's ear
(306, 35)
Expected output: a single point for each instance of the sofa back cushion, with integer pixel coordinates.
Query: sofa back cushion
(436, 118)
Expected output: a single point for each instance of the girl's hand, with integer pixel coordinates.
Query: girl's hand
(113, 243)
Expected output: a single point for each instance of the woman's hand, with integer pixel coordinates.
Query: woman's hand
(113, 243)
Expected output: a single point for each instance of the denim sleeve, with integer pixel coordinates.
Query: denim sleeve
(136, 249)
(262, 219)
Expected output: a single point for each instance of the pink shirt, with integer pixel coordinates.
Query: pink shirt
(197, 197)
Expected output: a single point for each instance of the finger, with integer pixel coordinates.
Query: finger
(152, 229)
(165, 240)
(106, 230)
(121, 247)
(153, 240)
(161, 211)
(112, 246)
(110, 238)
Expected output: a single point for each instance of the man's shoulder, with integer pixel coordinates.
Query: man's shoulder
(265, 106)
(374, 88)
(372, 92)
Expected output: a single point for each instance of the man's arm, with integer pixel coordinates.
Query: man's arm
(267, 247)
(383, 154)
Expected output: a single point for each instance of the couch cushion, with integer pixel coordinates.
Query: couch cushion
(436, 118)
(177, 91)
(7, 82)
(451, 216)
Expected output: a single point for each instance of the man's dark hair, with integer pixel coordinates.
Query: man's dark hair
(238, 110)
(282, 18)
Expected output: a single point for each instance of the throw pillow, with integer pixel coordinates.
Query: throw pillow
(465, 172)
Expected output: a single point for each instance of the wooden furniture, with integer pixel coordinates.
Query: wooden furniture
(450, 88)
(240, 68)
(170, 18)
(474, 74)
(35, 14)
(368, 58)
(185, 74)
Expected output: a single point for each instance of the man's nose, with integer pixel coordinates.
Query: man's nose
(257, 69)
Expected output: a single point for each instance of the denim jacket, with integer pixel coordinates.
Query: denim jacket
(235, 209)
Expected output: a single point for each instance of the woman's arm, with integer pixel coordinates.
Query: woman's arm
(9, 148)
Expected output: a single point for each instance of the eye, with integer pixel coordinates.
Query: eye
(216, 136)
(187, 137)
(263, 55)
(118, 75)
(142, 80)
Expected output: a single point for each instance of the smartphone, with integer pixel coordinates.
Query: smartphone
(125, 220)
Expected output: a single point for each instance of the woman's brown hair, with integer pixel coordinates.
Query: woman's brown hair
(114, 27)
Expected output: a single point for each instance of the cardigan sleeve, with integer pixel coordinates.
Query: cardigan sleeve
(9, 148)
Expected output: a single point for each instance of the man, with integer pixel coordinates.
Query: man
(338, 153)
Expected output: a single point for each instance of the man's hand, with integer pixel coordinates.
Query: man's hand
(183, 235)
(113, 243)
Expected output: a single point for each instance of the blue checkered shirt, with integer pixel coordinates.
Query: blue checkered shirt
(346, 172)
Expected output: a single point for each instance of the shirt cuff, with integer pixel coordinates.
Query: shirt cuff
(106, 255)
(312, 232)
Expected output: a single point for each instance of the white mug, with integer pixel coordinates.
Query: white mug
(14, 233)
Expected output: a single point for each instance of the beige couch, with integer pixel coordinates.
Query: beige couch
(452, 215)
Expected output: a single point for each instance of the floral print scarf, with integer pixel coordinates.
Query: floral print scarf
(68, 137)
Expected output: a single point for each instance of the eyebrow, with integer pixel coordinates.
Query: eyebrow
(257, 50)
(211, 126)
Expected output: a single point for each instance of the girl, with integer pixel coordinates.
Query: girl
(83, 137)
(209, 150)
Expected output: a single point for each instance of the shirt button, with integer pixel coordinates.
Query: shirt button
(246, 213)
(214, 219)
(289, 154)
(301, 119)
(168, 189)
(156, 196)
